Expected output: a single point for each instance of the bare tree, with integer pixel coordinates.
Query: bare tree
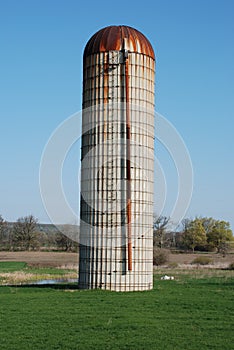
(161, 236)
(25, 236)
(3, 232)
(65, 243)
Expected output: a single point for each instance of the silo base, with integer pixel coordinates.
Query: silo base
(118, 287)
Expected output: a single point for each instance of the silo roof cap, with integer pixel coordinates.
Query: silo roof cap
(119, 38)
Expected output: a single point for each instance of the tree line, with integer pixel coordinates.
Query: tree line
(200, 233)
(27, 234)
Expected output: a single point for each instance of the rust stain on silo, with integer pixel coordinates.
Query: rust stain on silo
(111, 38)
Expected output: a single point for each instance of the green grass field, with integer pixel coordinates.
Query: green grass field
(12, 266)
(195, 311)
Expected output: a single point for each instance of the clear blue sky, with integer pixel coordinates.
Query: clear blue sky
(41, 45)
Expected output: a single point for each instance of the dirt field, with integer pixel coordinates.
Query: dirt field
(56, 259)
(188, 258)
(47, 259)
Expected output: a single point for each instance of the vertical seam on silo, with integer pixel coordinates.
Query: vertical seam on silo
(100, 227)
(128, 131)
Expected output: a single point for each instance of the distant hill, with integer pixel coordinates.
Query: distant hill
(71, 231)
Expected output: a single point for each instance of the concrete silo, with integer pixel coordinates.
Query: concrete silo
(117, 171)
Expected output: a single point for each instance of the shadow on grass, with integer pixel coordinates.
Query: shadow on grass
(61, 286)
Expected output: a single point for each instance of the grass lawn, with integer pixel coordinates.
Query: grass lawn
(191, 312)
(12, 266)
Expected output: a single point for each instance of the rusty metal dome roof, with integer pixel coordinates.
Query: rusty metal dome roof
(118, 38)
